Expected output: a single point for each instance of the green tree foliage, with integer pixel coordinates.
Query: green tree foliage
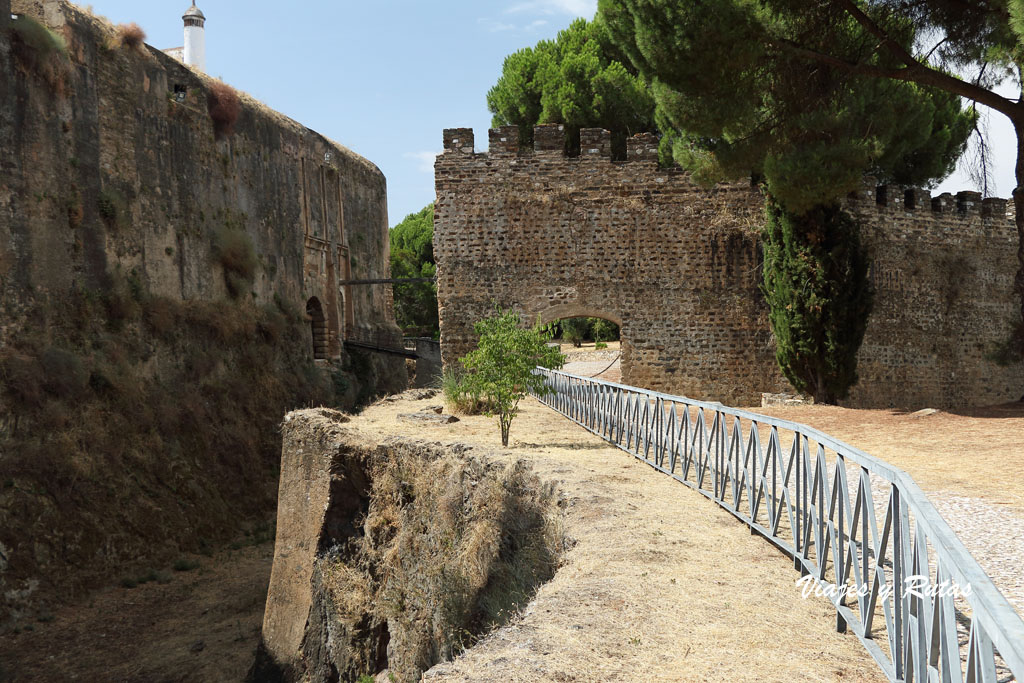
(577, 330)
(412, 255)
(735, 96)
(603, 330)
(764, 65)
(579, 79)
(734, 102)
(574, 330)
(501, 367)
(819, 297)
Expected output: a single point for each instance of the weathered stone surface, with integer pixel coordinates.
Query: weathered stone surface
(428, 363)
(429, 418)
(115, 133)
(391, 551)
(114, 188)
(678, 267)
(768, 400)
(310, 440)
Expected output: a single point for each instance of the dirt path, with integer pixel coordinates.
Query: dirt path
(660, 585)
(202, 625)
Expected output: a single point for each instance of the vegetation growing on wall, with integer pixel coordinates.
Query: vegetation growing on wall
(224, 107)
(39, 50)
(138, 427)
(131, 35)
(234, 251)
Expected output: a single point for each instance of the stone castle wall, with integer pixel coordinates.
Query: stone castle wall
(131, 130)
(678, 267)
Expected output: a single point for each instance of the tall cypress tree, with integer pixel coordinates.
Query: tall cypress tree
(819, 296)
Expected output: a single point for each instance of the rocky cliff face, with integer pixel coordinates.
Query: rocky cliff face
(170, 260)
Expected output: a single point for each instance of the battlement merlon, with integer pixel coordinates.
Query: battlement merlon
(595, 145)
(912, 199)
(549, 142)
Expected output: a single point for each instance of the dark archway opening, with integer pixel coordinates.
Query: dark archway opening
(318, 324)
(592, 346)
(580, 331)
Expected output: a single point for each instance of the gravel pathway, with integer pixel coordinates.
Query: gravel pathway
(994, 536)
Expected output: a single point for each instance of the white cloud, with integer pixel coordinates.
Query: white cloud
(494, 26)
(425, 158)
(576, 8)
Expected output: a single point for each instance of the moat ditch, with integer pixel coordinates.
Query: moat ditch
(397, 555)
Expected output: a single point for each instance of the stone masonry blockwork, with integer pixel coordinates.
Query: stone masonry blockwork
(132, 129)
(678, 265)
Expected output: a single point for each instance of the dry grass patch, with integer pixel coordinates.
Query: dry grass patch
(224, 107)
(661, 584)
(451, 546)
(131, 36)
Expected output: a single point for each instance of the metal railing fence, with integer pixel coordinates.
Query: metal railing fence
(900, 586)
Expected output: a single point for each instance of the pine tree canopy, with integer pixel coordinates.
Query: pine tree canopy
(735, 92)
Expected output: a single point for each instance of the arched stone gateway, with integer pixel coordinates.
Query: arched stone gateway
(318, 326)
(678, 267)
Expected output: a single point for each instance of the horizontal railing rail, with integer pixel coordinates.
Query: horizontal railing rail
(908, 588)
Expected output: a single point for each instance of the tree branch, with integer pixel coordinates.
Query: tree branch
(913, 72)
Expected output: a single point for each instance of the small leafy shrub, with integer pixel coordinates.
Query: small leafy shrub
(235, 252)
(150, 575)
(600, 345)
(501, 368)
(460, 398)
(224, 106)
(131, 35)
(112, 208)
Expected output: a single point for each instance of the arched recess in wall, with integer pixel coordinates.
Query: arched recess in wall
(318, 325)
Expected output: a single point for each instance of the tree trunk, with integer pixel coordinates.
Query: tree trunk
(1018, 209)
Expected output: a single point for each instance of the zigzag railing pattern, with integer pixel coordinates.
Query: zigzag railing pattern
(907, 587)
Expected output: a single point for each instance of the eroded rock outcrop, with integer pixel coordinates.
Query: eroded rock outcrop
(395, 555)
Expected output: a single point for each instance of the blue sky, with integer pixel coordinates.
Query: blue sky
(385, 77)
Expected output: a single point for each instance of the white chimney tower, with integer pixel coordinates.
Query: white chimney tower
(195, 38)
